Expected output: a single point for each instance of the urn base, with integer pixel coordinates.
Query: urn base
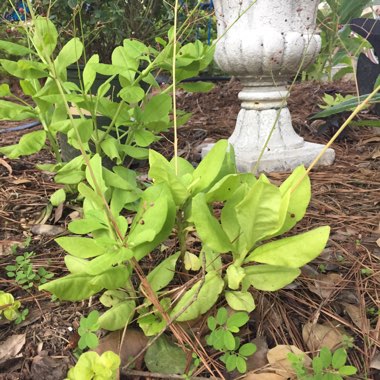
(280, 160)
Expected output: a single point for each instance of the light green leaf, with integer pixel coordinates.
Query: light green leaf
(81, 247)
(156, 212)
(294, 251)
(108, 260)
(339, 358)
(299, 198)
(74, 287)
(30, 143)
(89, 73)
(241, 301)
(213, 259)
(258, 212)
(132, 94)
(58, 197)
(72, 173)
(69, 54)
(25, 69)
(226, 187)
(76, 265)
(113, 297)
(4, 89)
(212, 168)
(235, 275)
(128, 65)
(14, 49)
(157, 109)
(97, 172)
(118, 317)
(208, 227)
(161, 171)
(15, 112)
(192, 261)
(197, 86)
(199, 301)
(163, 273)
(269, 277)
(144, 138)
(45, 36)
(135, 152)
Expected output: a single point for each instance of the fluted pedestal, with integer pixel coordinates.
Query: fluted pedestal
(264, 48)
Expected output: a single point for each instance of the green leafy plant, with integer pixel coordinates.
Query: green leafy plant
(9, 308)
(338, 45)
(95, 120)
(87, 328)
(234, 255)
(325, 366)
(92, 366)
(222, 338)
(24, 274)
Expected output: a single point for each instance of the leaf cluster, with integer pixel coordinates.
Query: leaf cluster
(222, 338)
(325, 366)
(94, 366)
(24, 274)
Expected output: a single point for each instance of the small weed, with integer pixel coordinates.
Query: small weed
(24, 274)
(322, 268)
(366, 272)
(9, 308)
(223, 328)
(87, 327)
(325, 366)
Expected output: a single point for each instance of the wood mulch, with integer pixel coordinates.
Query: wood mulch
(345, 196)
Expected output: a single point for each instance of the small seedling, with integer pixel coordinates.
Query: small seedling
(9, 308)
(366, 272)
(24, 274)
(87, 328)
(223, 328)
(325, 366)
(95, 367)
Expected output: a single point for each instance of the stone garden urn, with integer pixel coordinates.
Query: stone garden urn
(265, 43)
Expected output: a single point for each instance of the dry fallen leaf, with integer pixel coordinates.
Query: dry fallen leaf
(325, 285)
(46, 229)
(356, 315)
(6, 246)
(47, 368)
(317, 336)
(11, 347)
(6, 166)
(278, 359)
(263, 376)
(133, 342)
(375, 362)
(259, 358)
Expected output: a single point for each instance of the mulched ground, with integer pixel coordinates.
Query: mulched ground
(345, 196)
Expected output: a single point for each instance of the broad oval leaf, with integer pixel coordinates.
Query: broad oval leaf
(199, 301)
(258, 213)
(69, 54)
(81, 247)
(240, 300)
(118, 317)
(30, 143)
(269, 277)
(162, 274)
(208, 227)
(294, 251)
